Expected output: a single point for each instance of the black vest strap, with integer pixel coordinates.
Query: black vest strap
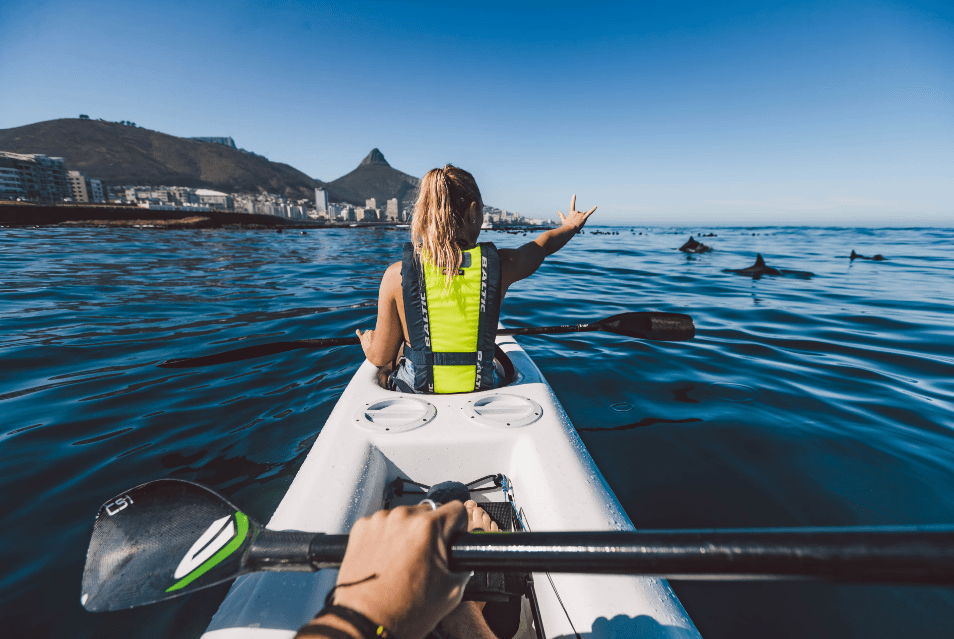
(489, 315)
(415, 314)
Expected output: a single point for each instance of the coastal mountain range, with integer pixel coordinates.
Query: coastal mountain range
(123, 155)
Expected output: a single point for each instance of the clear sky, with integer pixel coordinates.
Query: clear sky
(671, 113)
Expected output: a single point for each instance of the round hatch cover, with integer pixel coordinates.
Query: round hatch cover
(503, 411)
(395, 415)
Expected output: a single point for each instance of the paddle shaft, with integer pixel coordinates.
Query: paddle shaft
(550, 330)
(667, 327)
(867, 555)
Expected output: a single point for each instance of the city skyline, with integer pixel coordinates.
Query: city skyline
(689, 114)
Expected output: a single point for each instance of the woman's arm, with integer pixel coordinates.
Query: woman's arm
(517, 264)
(381, 344)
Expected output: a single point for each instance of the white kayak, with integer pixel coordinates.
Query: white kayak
(518, 432)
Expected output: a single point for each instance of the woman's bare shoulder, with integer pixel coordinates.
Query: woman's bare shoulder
(392, 277)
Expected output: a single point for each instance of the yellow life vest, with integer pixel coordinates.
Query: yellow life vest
(452, 331)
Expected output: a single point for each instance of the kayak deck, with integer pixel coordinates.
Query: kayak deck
(374, 436)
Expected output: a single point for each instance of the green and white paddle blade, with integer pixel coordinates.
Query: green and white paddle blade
(163, 539)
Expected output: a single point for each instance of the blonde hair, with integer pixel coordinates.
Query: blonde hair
(443, 201)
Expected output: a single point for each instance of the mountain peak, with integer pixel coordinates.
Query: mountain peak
(375, 157)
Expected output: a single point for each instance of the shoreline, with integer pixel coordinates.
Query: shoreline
(20, 214)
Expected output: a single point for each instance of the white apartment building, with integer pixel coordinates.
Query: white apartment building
(214, 199)
(11, 186)
(392, 213)
(321, 201)
(39, 177)
(78, 186)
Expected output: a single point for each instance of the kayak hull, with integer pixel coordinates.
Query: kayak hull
(374, 436)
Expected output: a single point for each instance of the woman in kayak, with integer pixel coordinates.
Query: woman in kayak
(438, 307)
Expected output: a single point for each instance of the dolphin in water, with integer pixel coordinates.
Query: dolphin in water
(692, 246)
(854, 256)
(760, 268)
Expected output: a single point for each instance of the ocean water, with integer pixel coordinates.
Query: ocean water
(815, 401)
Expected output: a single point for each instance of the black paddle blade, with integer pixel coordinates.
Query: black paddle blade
(660, 327)
(161, 540)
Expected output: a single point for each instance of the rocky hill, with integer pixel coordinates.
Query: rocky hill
(126, 155)
(375, 178)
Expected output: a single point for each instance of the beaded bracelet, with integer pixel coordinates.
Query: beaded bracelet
(367, 628)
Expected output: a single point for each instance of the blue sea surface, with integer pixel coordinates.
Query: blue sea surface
(815, 401)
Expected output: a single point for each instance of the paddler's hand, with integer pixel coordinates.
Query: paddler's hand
(395, 570)
(575, 219)
(467, 619)
(366, 338)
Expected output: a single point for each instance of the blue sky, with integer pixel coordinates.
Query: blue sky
(660, 113)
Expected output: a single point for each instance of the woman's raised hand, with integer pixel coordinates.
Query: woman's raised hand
(575, 218)
(367, 338)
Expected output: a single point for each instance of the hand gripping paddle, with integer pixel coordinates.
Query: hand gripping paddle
(172, 537)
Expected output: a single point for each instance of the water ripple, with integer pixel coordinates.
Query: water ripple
(824, 401)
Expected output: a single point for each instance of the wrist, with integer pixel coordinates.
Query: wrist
(330, 625)
(355, 624)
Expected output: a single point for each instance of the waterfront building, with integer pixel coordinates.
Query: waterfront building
(193, 208)
(95, 190)
(183, 194)
(154, 205)
(350, 214)
(78, 186)
(264, 207)
(371, 203)
(392, 212)
(38, 177)
(215, 199)
(243, 204)
(11, 187)
(321, 201)
(85, 189)
(368, 214)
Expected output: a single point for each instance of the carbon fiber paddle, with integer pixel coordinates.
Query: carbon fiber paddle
(659, 327)
(172, 537)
